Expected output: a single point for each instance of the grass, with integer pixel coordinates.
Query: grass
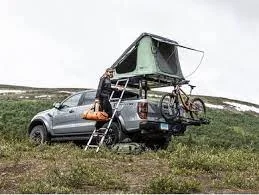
(16, 115)
(222, 157)
(75, 178)
(173, 185)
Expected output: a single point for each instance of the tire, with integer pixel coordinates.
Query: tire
(168, 107)
(159, 144)
(163, 144)
(198, 109)
(113, 136)
(38, 135)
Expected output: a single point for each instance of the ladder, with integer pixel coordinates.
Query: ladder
(97, 132)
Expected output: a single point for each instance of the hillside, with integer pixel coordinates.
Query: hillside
(222, 157)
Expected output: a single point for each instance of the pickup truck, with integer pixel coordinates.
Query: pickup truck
(136, 119)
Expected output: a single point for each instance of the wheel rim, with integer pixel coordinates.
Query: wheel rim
(110, 137)
(198, 111)
(168, 107)
(36, 137)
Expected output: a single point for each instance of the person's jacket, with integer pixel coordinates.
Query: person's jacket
(104, 88)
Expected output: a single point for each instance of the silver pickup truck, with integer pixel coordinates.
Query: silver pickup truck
(136, 119)
(151, 61)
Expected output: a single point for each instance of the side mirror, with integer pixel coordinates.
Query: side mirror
(57, 105)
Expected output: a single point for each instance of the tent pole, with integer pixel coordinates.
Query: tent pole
(140, 88)
(145, 88)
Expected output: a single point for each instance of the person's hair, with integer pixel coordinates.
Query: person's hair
(107, 70)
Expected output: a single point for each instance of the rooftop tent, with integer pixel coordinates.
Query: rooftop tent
(152, 58)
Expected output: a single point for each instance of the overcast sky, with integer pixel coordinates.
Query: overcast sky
(65, 43)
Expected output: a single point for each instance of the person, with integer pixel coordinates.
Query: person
(104, 91)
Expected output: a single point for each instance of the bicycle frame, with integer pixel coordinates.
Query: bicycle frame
(175, 105)
(184, 98)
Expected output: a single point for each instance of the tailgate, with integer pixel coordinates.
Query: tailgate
(154, 113)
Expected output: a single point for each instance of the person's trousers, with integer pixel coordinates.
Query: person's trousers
(106, 106)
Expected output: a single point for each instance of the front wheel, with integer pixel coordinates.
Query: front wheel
(197, 109)
(38, 135)
(168, 106)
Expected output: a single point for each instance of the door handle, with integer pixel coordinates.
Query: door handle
(71, 111)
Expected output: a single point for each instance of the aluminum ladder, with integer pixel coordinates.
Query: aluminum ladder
(97, 132)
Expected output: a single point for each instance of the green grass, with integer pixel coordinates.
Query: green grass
(16, 115)
(222, 157)
(227, 130)
(74, 179)
(172, 184)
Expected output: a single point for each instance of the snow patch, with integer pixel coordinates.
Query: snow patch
(66, 92)
(214, 106)
(22, 97)
(16, 91)
(154, 95)
(233, 105)
(242, 107)
(43, 96)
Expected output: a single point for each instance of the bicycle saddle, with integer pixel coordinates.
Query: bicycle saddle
(192, 86)
(183, 82)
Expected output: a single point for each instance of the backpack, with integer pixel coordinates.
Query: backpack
(128, 148)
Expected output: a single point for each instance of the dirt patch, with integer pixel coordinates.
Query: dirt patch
(13, 169)
(11, 175)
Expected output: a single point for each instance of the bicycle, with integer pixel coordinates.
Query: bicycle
(176, 104)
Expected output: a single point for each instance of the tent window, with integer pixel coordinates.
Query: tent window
(167, 58)
(128, 64)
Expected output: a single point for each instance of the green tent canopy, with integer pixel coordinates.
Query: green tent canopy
(151, 58)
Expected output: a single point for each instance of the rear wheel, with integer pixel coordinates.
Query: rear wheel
(159, 143)
(198, 109)
(168, 107)
(113, 135)
(163, 143)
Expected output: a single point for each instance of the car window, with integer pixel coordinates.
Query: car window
(72, 101)
(89, 97)
(128, 95)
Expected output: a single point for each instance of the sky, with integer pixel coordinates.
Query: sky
(65, 43)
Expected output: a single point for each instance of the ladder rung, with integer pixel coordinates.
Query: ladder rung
(102, 128)
(93, 146)
(98, 134)
(112, 99)
(120, 80)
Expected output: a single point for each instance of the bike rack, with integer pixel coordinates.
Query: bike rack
(190, 121)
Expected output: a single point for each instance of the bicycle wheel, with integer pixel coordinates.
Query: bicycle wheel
(198, 109)
(168, 107)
